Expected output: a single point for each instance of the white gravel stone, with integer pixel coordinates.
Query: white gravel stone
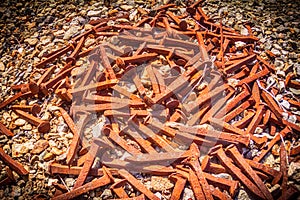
(276, 52)
(93, 13)
(31, 41)
(126, 7)
(188, 194)
(20, 122)
(70, 32)
(70, 181)
(19, 149)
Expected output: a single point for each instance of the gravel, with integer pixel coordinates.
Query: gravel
(29, 30)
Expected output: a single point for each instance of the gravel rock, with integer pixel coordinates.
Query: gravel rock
(188, 194)
(69, 136)
(40, 146)
(276, 52)
(69, 33)
(16, 191)
(3, 139)
(126, 7)
(294, 171)
(20, 122)
(240, 44)
(92, 13)
(268, 32)
(19, 149)
(27, 127)
(107, 194)
(49, 19)
(276, 46)
(243, 195)
(46, 40)
(2, 66)
(32, 41)
(279, 64)
(160, 183)
(7, 149)
(70, 182)
(244, 31)
(59, 33)
(48, 156)
(56, 151)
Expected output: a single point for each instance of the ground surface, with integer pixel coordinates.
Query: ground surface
(29, 29)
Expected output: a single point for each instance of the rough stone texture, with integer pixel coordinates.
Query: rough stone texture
(30, 29)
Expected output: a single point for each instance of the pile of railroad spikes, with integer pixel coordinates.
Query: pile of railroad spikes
(221, 119)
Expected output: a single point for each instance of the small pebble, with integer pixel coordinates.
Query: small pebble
(19, 149)
(69, 33)
(48, 156)
(107, 194)
(94, 13)
(70, 182)
(276, 52)
(27, 127)
(126, 7)
(56, 151)
(2, 66)
(31, 41)
(20, 122)
(40, 146)
(268, 32)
